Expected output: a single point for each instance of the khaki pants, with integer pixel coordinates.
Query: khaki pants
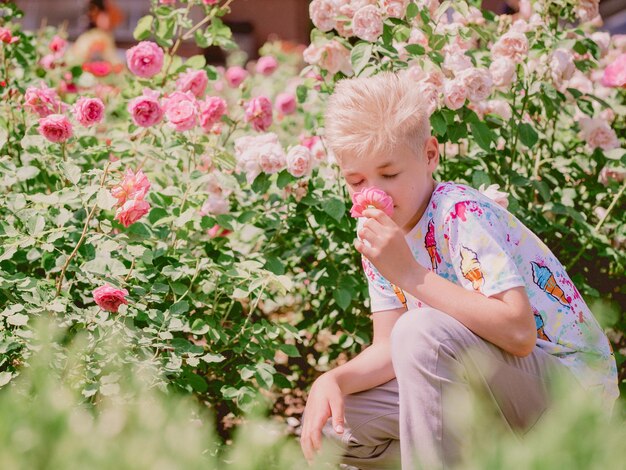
(438, 362)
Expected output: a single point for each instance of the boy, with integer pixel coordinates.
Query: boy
(450, 272)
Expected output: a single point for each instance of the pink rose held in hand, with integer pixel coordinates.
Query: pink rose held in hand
(145, 59)
(56, 128)
(371, 197)
(109, 298)
(89, 111)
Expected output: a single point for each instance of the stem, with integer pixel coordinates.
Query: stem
(521, 117)
(247, 320)
(599, 224)
(63, 152)
(82, 237)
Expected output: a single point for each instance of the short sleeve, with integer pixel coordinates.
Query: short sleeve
(482, 247)
(382, 293)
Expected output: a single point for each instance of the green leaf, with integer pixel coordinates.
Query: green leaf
(411, 11)
(289, 349)
(334, 207)
(72, 172)
(438, 123)
(179, 307)
(275, 265)
(265, 375)
(343, 297)
(196, 62)
(143, 28)
(528, 135)
(105, 199)
(301, 93)
(360, 56)
(480, 177)
(415, 49)
(482, 135)
(284, 178)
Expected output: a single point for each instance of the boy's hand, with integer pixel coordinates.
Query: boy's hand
(388, 250)
(325, 400)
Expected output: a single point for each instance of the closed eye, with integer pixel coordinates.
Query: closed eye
(390, 176)
(358, 183)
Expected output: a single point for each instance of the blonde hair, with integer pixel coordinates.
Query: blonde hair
(373, 115)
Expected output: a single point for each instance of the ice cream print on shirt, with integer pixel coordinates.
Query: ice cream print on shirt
(470, 268)
(468, 239)
(543, 277)
(431, 245)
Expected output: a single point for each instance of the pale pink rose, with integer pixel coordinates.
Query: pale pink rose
(598, 134)
(603, 40)
(315, 145)
(57, 45)
(194, 81)
(492, 193)
(454, 93)
(132, 211)
(323, 13)
(477, 82)
(587, 10)
(272, 158)
(216, 186)
(431, 96)
(285, 103)
(512, 45)
(562, 65)
(367, 197)
(43, 101)
(55, 128)
(146, 110)
(394, 8)
(217, 231)
(331, 56)
(181, 110)
(210, 2)
(211, 111)
(615, 73)
(608, 174)
(258, 113)
(619, 42)
(520, 26)
(580, 82)
(133, 186)
(500, 107)
(502, 72)
(259, 153)
(266, 65)
(299, 161)
(47, 61)
(145, 59)
(110, 298)
(474, 16)
(456, 62)
(367, 23)
(6, 36)
(235, 76)
(89, 111)
(215, 205)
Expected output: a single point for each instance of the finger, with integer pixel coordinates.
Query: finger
(363, 249)
(336, 408)
(306, 446)
(366, 233)
(376, 214)
(373, 225)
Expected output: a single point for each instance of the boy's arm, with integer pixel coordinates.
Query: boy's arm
(370, 368)
(504, 319)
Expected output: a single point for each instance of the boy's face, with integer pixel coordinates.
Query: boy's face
(405, 174)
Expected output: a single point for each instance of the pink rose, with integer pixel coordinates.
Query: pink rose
(266, 65)
(215, 205)
(477, 82)
(502, 72)
(55, 128)
(217, 231)
(43, 101)
(132, 211)
(367, 197)
(110, 298)
(512, 45)
(181, 110)
(259, 153)
(299, 161)
(367, 23)
(47, 61)
(394, 8)
(133, 186)
(211, 111)
(258, 113)
(430, 93)
(57, 45)
(456, 61)
(611, 174)
(145, 110)
(210, 2)
(603, 40)
(285, 103)
(499, 197)
(194, 81)
(145, 59)
(615, 73)
(587, 10)
(331, 56)
(323, 13)
(6, 36)
(454, 93)
(235, 76)
(598, 134)
(562, 65)
(89, 111)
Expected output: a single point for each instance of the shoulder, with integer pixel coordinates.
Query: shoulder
(454, 201)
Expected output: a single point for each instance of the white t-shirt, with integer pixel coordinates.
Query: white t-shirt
(470, 240)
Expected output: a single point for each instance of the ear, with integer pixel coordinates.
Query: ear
(432, 153)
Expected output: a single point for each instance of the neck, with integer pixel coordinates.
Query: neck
(420, 211)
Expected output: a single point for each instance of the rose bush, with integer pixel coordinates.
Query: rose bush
(204, 200)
